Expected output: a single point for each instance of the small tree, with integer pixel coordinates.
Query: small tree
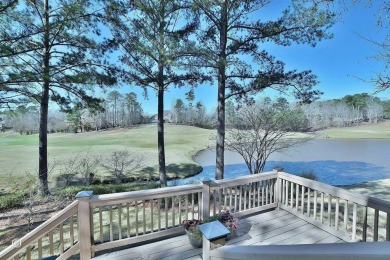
(120, 163)
(262, 131)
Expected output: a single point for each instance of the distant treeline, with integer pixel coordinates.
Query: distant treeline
(124, 110)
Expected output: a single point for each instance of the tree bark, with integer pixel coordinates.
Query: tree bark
(160, 112)
(220, 145)
(160, 135)
(43, 187)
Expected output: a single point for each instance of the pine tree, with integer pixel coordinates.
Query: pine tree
(153, 36)
(233, 43)
(51, 53)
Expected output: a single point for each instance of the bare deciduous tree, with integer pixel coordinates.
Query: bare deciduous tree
(262, 131)
(120, 163)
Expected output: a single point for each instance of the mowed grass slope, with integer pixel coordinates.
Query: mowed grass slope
(19, 153)
(380, 130)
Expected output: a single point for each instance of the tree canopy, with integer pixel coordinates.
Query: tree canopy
(50, 52)
(234, 42)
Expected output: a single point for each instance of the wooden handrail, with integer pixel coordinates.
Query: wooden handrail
(40, 231)
(361, 199)
(117, 198)
(244, 180)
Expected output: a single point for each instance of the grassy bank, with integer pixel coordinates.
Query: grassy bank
(380, 130)
(19, 153)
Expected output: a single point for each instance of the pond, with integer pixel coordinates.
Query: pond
(335, 162)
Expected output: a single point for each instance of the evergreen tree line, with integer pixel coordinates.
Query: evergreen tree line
(62, 50)
(351, 110)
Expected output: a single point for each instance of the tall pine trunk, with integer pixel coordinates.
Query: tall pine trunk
(160, 135)
(160, 112)
(220, 145)
(43, 188)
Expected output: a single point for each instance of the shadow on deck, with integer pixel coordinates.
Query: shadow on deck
(269, 228)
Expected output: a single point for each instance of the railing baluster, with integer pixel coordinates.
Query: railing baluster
(322, 208)
(245, 187)
(329, 210)
(159, 213)
(364, 236)
(388, 227)
(199, 204)
(315, 205)
(266, 193)
(111, 225)
(61, 242)
(166, 212)
(224, 190)
(40, 248)
(287, 185)
(376, 224)
(186, 196)
(71, 231)
(193, 205)
(297, 196)
(253, 195)
(151, 216)
(240, 199)
(235, 199)
(346, 215)
(292, 194)
(230, 198)
(308, 201)
(28, 253)
(354, 222)
(173, 212)
(258, 193)
(144, 216)
(100, 224)
(336, 222)
(249, 195)
(214, 203)
(51, 242)
(128, 220)
(303, 199)
(136, 216)
(262, 193)
(179, 197)
(119, 222)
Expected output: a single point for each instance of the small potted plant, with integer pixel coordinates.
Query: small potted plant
(193, 232)
(227, 219)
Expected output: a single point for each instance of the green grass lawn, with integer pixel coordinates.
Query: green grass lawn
(19, 153)
(380, 130)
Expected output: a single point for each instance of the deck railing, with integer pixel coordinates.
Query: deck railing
(348, 215)
(113, 220)
(57, 236)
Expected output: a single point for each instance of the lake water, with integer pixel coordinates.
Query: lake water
(335, 162)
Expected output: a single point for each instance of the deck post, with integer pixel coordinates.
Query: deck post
(205, 214)
(84, 224)
(278, 189)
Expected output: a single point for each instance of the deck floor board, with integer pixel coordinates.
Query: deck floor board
(273, 227)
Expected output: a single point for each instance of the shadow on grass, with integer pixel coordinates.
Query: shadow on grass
(174, 171)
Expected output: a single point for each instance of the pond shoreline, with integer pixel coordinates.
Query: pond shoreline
(336, 161)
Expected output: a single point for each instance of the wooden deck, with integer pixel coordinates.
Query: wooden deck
(270, 228)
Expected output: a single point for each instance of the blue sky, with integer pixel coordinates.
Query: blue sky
(337, 62)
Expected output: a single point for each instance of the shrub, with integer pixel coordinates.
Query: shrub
(309, 175)
(11, 201)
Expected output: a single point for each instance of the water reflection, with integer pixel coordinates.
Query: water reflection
(335, 162)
